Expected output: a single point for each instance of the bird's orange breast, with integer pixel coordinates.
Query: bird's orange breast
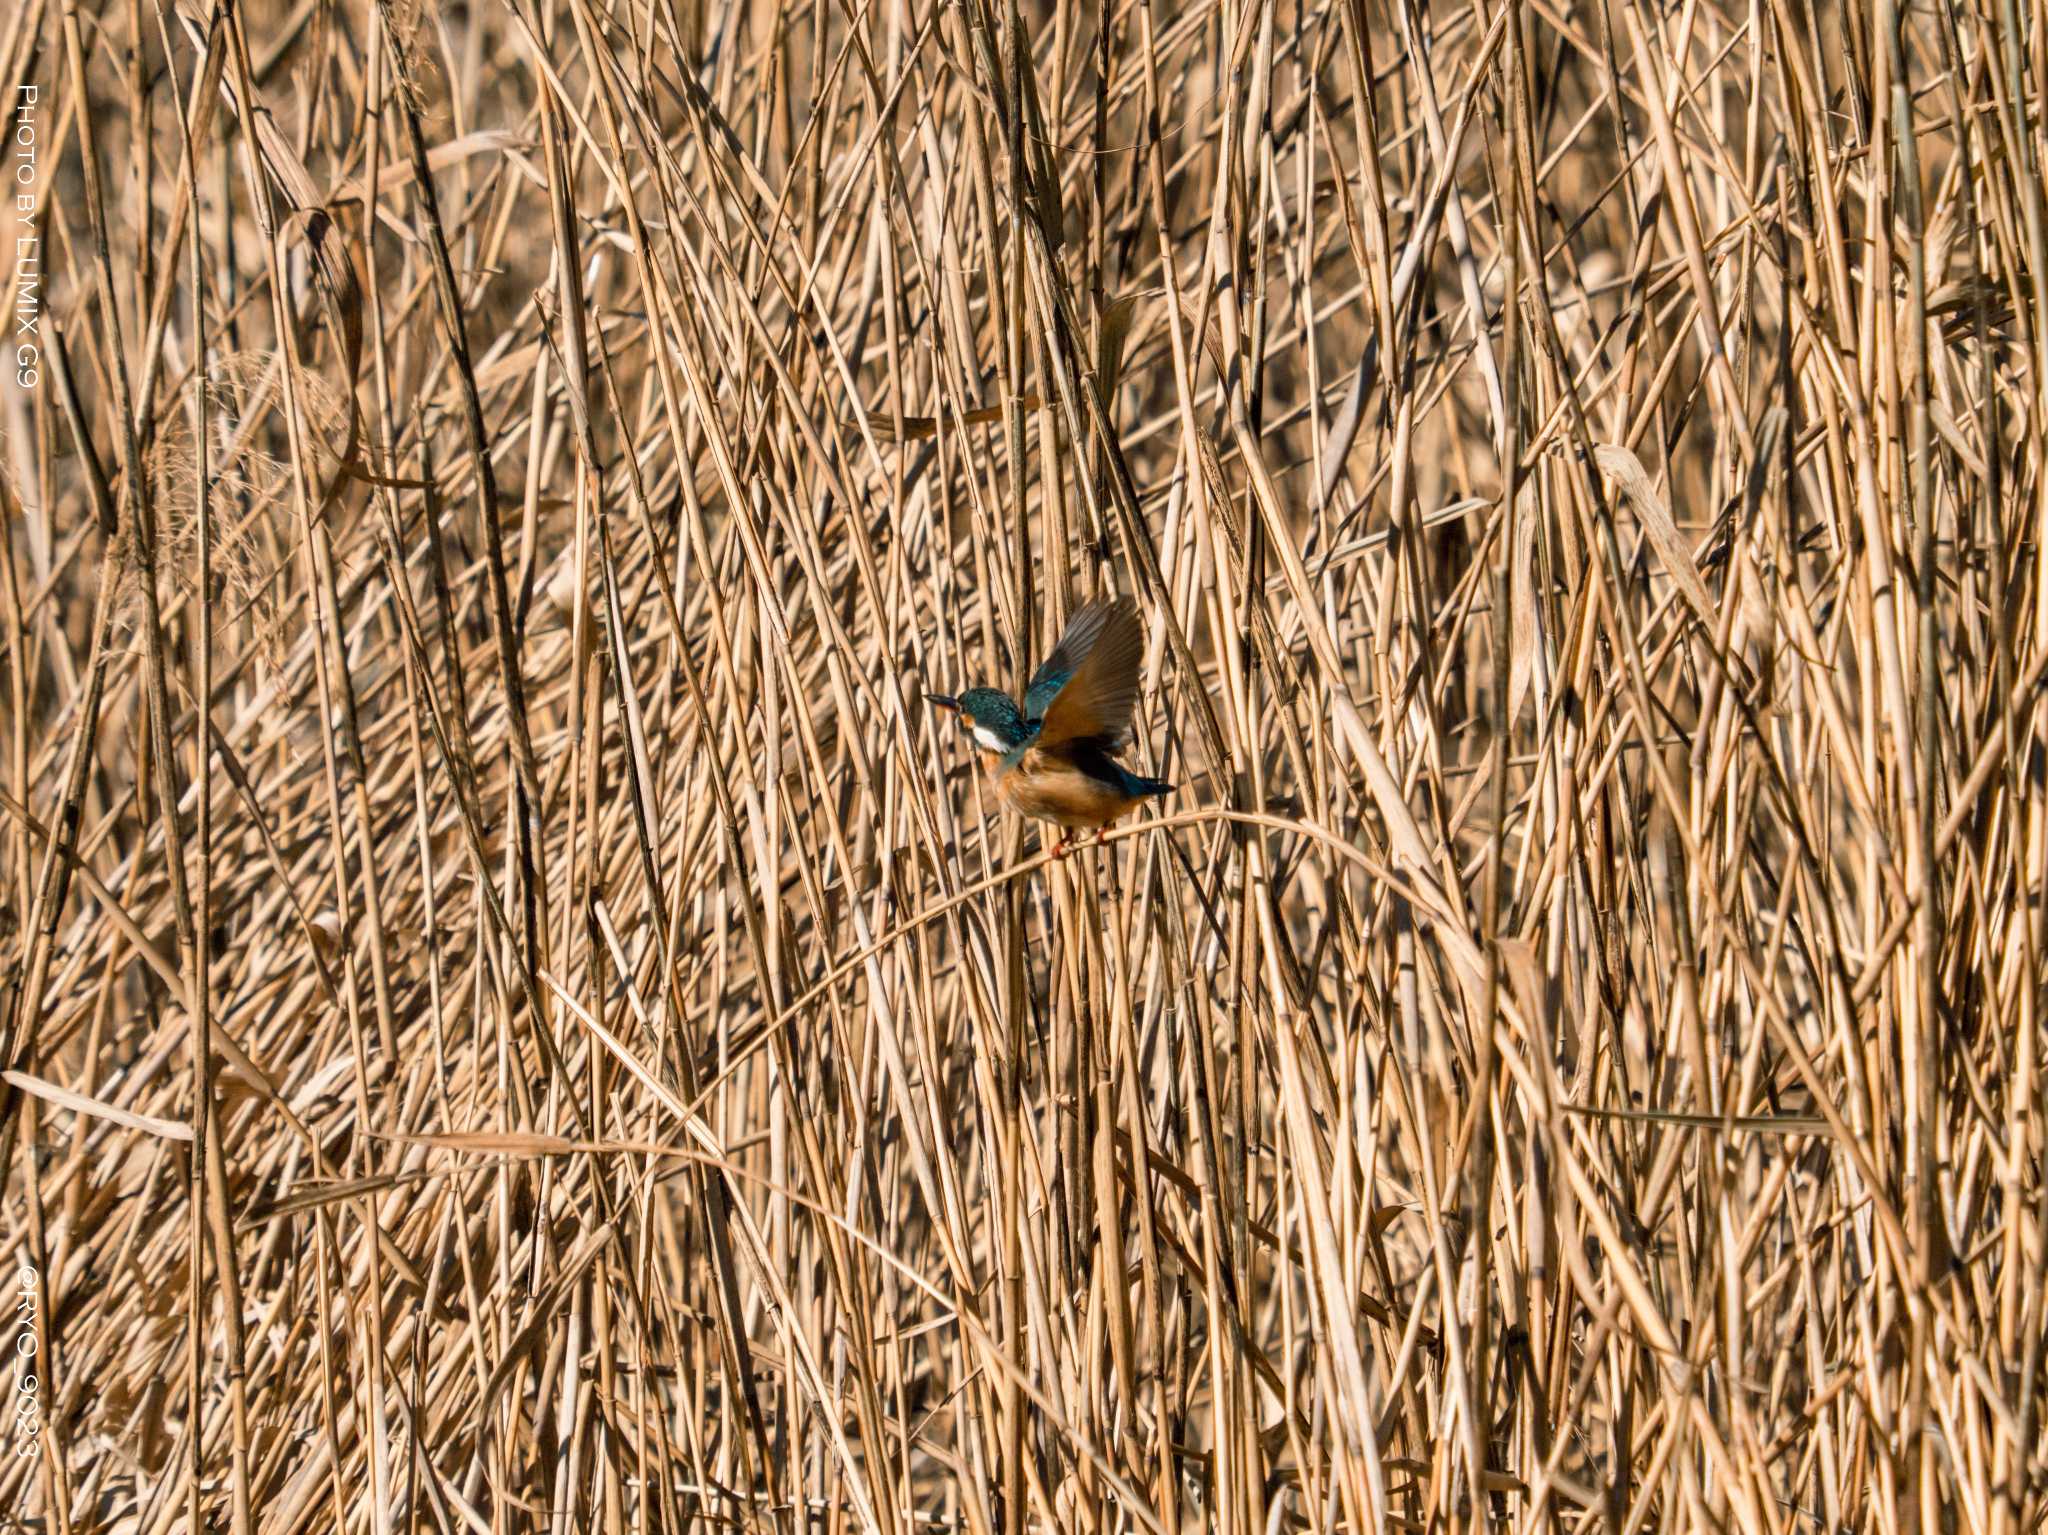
(1048, 787)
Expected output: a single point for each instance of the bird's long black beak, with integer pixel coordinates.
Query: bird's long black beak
(941, 701)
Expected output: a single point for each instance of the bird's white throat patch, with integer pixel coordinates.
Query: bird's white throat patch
(990, 741)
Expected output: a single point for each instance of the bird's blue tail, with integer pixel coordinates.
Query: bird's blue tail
(1139, 787)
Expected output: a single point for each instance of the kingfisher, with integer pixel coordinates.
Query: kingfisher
(1054, 759)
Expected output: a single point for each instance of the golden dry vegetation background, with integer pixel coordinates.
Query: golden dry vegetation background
(518, 1016)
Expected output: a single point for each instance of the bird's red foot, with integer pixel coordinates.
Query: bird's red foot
(1061, 848)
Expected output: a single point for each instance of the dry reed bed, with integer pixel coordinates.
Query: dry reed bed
(1567, 1058)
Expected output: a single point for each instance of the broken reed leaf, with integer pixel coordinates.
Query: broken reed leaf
(398, 172)
(1117, 316)
(919, 428)
(1628, 474)
(94, 1108)
(1211, 337)
(1759, 1124)
(1525, 619)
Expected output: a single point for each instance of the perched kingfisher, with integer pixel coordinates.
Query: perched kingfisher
(1054, 759)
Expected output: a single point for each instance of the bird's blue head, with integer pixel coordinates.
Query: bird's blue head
(992, 716)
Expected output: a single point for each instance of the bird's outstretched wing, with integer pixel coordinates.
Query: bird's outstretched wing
(1085, 688)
